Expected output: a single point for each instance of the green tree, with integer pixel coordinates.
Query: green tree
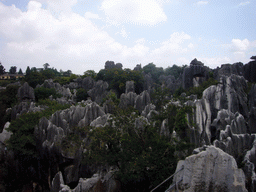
(2, 69)
(28, 71)
(46, 65)
(154, 71)
(48, 74)
(81, 94)
(175, 70)
(13, 70)
(20, 72)
(90, 73)
(42, 93)
(143, 157)
(8, 98)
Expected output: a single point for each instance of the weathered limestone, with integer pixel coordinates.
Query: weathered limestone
(142, 100)
(127, 99)
(211, 170)
(25, 92)
(229, 69)
(228, 94)
(24, 107)
(129, 86)
(5, 135)
(59, 89)
(99, 91)
(194, 74)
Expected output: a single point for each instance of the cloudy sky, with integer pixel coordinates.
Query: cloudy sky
(82, 34)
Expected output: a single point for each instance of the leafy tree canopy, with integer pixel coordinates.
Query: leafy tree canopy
(154, 71)
(2, 69)
(20, 72)
(12, 70)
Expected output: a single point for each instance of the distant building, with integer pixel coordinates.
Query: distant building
(8, 76)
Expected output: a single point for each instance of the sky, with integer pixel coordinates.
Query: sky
(81, 35)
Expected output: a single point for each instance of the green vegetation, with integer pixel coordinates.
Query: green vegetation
(22, 141)
(42, 93)
(175, 70)
(117, 78)
(196, 90)
(143, 157)
(199, 90)
(8, 98)
(154, 71)
(81, 94)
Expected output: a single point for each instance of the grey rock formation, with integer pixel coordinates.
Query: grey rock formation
(24, 107)
(51, 133)
(250, 71)
(104, 183)
(112, 65)
(228, 70)
(101, 121)
(57, 182)
(88, 83)
(26, 93)
(194, 74)
(137, 68)
(211, 170)
(170, 82)
(228, 94)
(65, 92)
(109, 106)
(234, 144)
(98, 182)
(148, 111)
(252, 107)
(5, 135)
(99, 91)
(127, 99)
(219, 102)
(129, 87)
(142, 100)
(148, 82)
(92, 111)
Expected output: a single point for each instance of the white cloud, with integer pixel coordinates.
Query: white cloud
(65, 42)
(172, 45)
(140, 41)
(240, 45)
(57, 6)
(202, 3)
(123, 33)
(143, 12)
(191, 46)
(244, 3)
(91, 15)
(240, 50)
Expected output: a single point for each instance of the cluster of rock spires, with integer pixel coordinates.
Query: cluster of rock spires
(224, 131)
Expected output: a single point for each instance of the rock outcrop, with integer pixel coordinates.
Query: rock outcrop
(211, 170)
(5, 135)
(250, 71)
(220, 102)
(142, 100)
(65, 92)
(194, 74)
(99, 91)
(98, 182)
(229, 69)
(52, 133)
(129, 87)
(26, 93)
(24, 107)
